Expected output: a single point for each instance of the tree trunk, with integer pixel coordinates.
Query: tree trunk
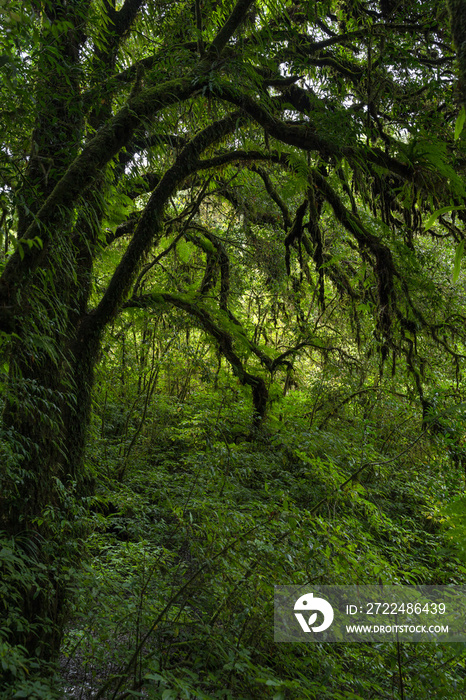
(43, 396)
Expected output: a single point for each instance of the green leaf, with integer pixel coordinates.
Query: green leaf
(169, 694)
(458, 259)
(185, 251)
(433, 217)
(154, 677)
(460, 122)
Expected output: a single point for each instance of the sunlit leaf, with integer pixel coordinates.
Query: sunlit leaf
(433, 217)
(460, 122)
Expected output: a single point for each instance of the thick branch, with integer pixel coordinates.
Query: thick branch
(150, 225)
(125, 17)
(232, 156)
(229, 28)
(305, 138)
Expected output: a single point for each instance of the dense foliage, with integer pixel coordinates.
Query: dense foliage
(232, 326)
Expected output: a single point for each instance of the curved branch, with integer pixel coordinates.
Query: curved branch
(273, 194)
(150, 225)
(306, 138)
(223, 339)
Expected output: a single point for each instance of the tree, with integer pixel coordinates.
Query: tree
(326, 131)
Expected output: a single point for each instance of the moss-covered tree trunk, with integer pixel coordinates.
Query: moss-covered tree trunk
(41, 399)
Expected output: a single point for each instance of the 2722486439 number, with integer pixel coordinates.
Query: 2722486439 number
(404, 608)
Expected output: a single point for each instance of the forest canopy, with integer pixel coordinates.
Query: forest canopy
(276, 189)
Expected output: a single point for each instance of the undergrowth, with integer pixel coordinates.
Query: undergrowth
(176, 595)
